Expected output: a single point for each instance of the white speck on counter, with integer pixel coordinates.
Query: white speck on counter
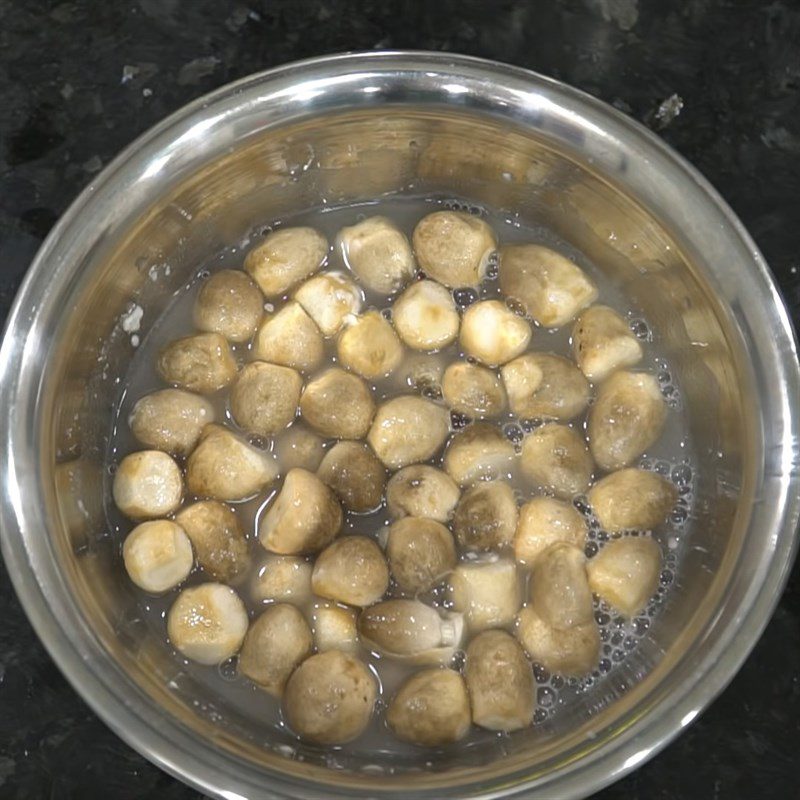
(131, 320)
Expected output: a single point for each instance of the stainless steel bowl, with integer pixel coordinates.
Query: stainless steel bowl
(350, 128)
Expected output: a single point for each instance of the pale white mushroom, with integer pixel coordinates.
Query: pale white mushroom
(207, 623)
(338, 404)
(627, 417)
(421, 491)
(574, 651)
(329, 698)
(550, 287)
(379, 253)
(170, 420)
(303, 518)
(217, 537)
(500, 681)
(486, 516)
(334, 628)
(328, 299)
(425, 316)
(229, 303)
(285, 258)
(479, 452)
(147, 484)
(453, 247)
(284, 579)
(290, 337)
(546, 386)
(560, 592)
(351, 570)
(369, 346)
(275, 644)
(492, 333)
(473, 390)
(544, 521)
(356, 474)
(411, 631)
(408, 429)
(264, 397)
(556, 457)
(202, 363)
(430, 709)
(299, 447)
(632, 499)
(487, 592)
(625, 573)
(225, 467)
(157, 555)
(602, 342)
(421, 553)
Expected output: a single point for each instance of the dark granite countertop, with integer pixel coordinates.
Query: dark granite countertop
(719, 80)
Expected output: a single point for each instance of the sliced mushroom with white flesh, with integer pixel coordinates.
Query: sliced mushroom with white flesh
(479, 452)
(492, 333)
(329, 299)
(147, 484)
(488, 592)
(425, 316)
(157, 555)
(603, 342)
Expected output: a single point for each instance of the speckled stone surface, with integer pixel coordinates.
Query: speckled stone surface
(720, 81)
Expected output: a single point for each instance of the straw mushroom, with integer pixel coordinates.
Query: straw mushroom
(299, 447)
(602, 342)
(356, 474)
(275, 644)
(158, 555)
(560, 591)
(546, 386)
(420, 552)
(492, 333)
(351, 570)
(285, 258)
(170, 420)
(334, 628)
(264, 397)
(473, 390)
(202, 363)
(225, 467)
(430, 709)
(625, 573)
(338, 404)
(290, 338)
(304, 517)
(229, 303)
(487, 592)
(556, 457)
(408, 429)
(425, 316)
(632, 499)
(283, 579)
(411, 631)
(573, 651)
(328, 299)
(329, 698)
(379, 253)
(486, 516)
(421, 491)
(147, 484)
(627, 417)
(207, 623)
(550, 287)
(453, 247)
(500, 681)
(217, 537)
(544, 521)
(369, 346)
(479, 452)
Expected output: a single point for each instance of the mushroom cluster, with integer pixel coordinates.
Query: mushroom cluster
(469, 562)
